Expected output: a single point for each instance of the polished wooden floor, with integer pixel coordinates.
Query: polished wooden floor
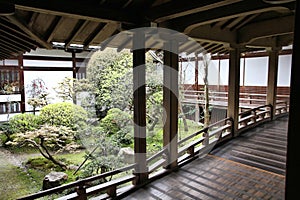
(251, 166)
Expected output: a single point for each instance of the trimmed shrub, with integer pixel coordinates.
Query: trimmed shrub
(24, 122)
(118, 124)
(64, 114)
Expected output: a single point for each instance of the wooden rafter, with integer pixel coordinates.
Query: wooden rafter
(17, 46)
(181, 8)
(93, 35)
(29, 31)
(89, 10)
(53, 28)
(32, 19)
(16, 38)
(246, 20)
(106, 32)
(258, 30)
(81, 24)
(247, 7)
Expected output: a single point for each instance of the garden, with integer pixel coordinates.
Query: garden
(87, 132)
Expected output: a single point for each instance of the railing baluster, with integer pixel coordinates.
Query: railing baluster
(81, 192)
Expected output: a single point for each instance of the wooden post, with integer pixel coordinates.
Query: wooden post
(74, 72)
(81, 192)
(139, 109)
(170, 103)
(293, 148)
(197, 110)
(234, 88)
(272, 80)
(21, 76)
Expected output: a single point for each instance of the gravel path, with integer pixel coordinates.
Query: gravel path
(7, 158)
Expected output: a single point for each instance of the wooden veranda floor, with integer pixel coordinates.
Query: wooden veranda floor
(251, 166)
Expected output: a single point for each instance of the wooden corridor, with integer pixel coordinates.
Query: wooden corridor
(251, 166)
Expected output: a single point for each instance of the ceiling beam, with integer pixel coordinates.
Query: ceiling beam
(187, 23)
(29, 31)
(5, 42)
(53, 28)
(180, 8)
(213, 34)
(277, 26)
(107, 31)
(76, 31)
(88, 10)
(17, 38)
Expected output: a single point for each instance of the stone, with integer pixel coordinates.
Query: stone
(54, 179)
(128, 154)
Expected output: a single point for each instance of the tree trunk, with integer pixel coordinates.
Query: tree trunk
(186, 127)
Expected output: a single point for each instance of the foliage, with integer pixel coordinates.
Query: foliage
(38, 93)
(64, 114)
(47, 139)
(108, 72)
(6, 130)
(65, 89)
(24, 122)
(118, 125)
(103, 157)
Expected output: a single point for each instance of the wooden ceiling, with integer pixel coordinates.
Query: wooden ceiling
(76, 25)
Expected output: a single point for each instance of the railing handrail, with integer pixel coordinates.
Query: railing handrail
(190, 148)
(77, 183)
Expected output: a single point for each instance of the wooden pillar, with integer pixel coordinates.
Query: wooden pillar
(139, 109)
(293, 148)
(272, 80)
(234, 87)
(74, 73)
(74, 64)
(22, 88)
(170, 103)
(197, 110)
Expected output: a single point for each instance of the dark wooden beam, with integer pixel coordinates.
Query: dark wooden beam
(12, 29)
(15, 40)
(53, 28)
(22, 87)
(93, 35)
(234, 87)
(139, 108)
(275, 26)
(107, 31)
(32, 19)
(246, 7)
(293, 159)
(88, 10)
(246, 19)
(79, 27)
(180, 8)
(19, 22)
(13, 45)
(170, 103)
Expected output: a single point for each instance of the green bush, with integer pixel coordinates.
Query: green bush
(118, 125)
(64, 114)
(24, 122)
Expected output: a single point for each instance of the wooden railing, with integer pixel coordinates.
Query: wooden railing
(253, 117)
(201, 142)
(82, 189)
(221, 98)
(191, 147)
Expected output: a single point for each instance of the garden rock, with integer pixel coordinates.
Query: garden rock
(128, 154)
(54, 179)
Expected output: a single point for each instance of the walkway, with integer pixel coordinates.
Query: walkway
(251, 166)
